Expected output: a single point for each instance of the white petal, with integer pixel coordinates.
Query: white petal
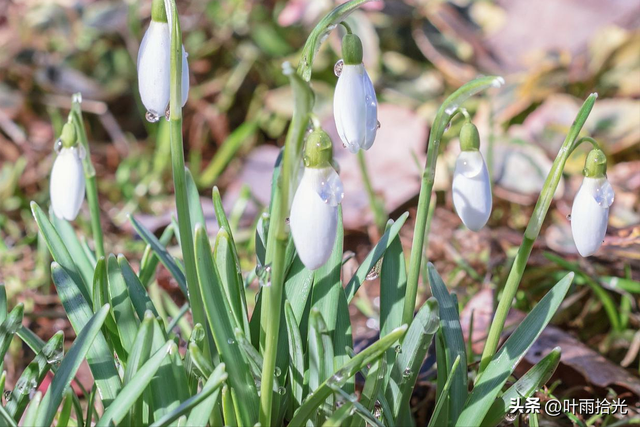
(67, 184)
(472, 190)
(588, 218)
(371, 108)
(153, 68)
(185, 77)
(313, 222)
(349, 107)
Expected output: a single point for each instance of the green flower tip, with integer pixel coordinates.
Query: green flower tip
(596, 164)
(68, 135)
(351, 49)
(469, 137)
(318, 151)
(158, 12)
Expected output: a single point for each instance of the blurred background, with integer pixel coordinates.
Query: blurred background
(552, 54)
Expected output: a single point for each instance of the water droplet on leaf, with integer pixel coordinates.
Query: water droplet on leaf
(282, 391)
(231, 341)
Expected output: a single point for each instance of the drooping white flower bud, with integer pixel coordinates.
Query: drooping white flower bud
(355, 106)
(67, 182)
(154, 65)
(471, 185)
(314, 211)
(590, 211)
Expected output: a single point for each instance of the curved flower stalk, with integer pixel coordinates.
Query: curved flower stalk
(67, 186)
(154, 71)
(471, 184)
(590, 211)
(314, 211)
(355, 106)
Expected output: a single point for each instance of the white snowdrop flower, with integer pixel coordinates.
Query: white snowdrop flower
(67, 183)
(314, 211)
(355, 106)
(471, 184)
(590, 211)
(154, 68)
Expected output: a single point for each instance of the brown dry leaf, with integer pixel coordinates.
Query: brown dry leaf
(390, 162)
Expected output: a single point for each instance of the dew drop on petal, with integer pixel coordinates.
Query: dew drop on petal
(569, 217)
(378, 124)
(152, 117)
(604, 194)
(82, 153)
(58, 146)
(331, 190)
(337, 69)
(469, 164)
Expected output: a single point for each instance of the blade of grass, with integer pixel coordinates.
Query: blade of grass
(125, 317)
(32, 410)
(9, 328)
(453, 342)
(228, 267)
(100, 357)
(525, 387)
(296, 356)
(507, 358)
(444, 395)
(374, 256)
(150, 260)
(139, 355)
(138, 294)
(356, 364)
(69, 366)
(133, 390)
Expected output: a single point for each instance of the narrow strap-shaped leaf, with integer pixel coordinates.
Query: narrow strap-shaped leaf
(33, 375)
(9, 328)
(454, 343)
(142, 348)
(535, 378)
(320, 351)
(414, 350)
(229, 268)
(372, 387)
(356, 364)
(59, 251)
(364, 413)
(442, 401)
(251, 354)
(297, 288)
(296, 356)
(193, 198)
(228, 411)
(6, 418)
(65, 412)
(342, 339)
(3, 303)
(69, 366)
(100, 298)
(162, 254)
(211, 388)
(374, 256)
(507, 358)
(217, 310)
(32, 411)
(150, 260)
(133, 390)
(340, 416)
(126, 320)
(442, 418)
(207, 411)
(138, 294)
(73, 245)
(164, 388)
(100, 357)
(199, 361)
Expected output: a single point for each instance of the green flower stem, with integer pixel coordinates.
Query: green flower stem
(447, 110)
(380, 217)
(90, 176)
(179, 177)
(532, 232)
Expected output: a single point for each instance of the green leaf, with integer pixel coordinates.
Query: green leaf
(229, 269)
(297, 288)
(356, 364)
(133, 390)
(125, 317)
(138, 294)
(193, 198)
(32, 411)
(100, 298)
(6, 418)
(444, 394)
(296, 356)
(3, 303)
(320, 351)
(59, 251)
(33, 375)
(525, 387)
(150, 260)
(342, 339)
(139, 355)
(374, 256)
(70, 364)
(507, 358)
(9, 328)
(73, 245)
(372, 387)
(340, 416)
(100, 356)
(217, 310)
(454, 343)
(415, 345)
(162, 254)
(65, 412)
(210, 389)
